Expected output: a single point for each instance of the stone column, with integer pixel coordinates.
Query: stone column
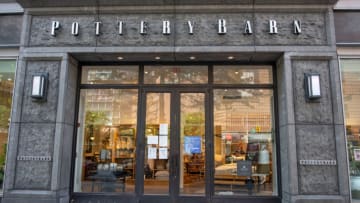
(311, 130)
(40, 143)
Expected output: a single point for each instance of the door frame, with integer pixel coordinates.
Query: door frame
(207, 88)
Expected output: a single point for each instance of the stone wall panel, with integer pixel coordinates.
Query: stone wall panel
(318, 180)
(315, 112)
(37, 111)
(36, 139)
(34, 175)
(10, 29)
(205, 30)
(40, 34)
(313, 29)
(316, 142)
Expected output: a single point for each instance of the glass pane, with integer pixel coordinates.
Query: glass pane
(110, 75)
(106, 141)
(245, 158)
(176, 75)
(7, 76)
(350, 72)
(233, 74)
(192, 131)
(156, 169)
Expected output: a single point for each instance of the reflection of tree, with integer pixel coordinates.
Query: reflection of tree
(192, 101)
(93, 120)
(176, 74)
(2, 163)
(247, 97)
(4, 116)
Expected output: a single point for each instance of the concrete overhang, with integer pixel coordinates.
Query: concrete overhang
(89, 3)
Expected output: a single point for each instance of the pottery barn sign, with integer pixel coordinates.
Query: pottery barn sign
(222, 28)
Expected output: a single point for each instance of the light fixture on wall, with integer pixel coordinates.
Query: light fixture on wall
(39, 86)
(312, 86)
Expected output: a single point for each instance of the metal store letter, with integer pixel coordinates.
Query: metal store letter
(222, 26)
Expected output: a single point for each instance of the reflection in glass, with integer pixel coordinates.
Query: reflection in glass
(350, 73)
(234, 74)
(192, 132)
(176, 75)
(243, 134)
(110, 75)
(156, 169)
(106, 141)
(7, 74)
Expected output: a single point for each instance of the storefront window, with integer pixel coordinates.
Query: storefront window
(244, 142)
(350, 72)
(242, 74)
(110, 75)
(176, 75)
(7, 76)
(173, 148)
(106, 141)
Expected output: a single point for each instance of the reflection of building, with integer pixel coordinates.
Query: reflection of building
(244, 62)
(110, 103)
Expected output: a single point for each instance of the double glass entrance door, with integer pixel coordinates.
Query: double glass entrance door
(175, 143)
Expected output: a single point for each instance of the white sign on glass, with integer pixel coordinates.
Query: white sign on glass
(152, 153)
(152, 139)
(163, 153)
(163, 141)
(37, 89)
(163, 129)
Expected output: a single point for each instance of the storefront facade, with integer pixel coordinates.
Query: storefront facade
(177, 102)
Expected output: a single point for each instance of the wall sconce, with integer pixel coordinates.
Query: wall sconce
(39, 86)
(312, 86)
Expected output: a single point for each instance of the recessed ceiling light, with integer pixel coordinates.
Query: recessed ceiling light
(192, 57)
(230, 57)
(157, 57)
(120, 58)
(236, 72)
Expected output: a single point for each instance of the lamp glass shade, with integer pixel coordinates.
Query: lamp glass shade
(38, 86)
(315, 85)
(312, 82)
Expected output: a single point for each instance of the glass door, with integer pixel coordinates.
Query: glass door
(192, 144)
(174, 144)
(157, 144)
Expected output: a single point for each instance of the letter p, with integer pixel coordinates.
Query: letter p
(55, 25)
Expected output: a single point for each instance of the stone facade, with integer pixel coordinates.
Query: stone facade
(10, 30)
(313, 26)
(307, 130)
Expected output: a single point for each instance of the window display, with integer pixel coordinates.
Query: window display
(108, 137)
(244, 132)
(7, 76)
(350, 73)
